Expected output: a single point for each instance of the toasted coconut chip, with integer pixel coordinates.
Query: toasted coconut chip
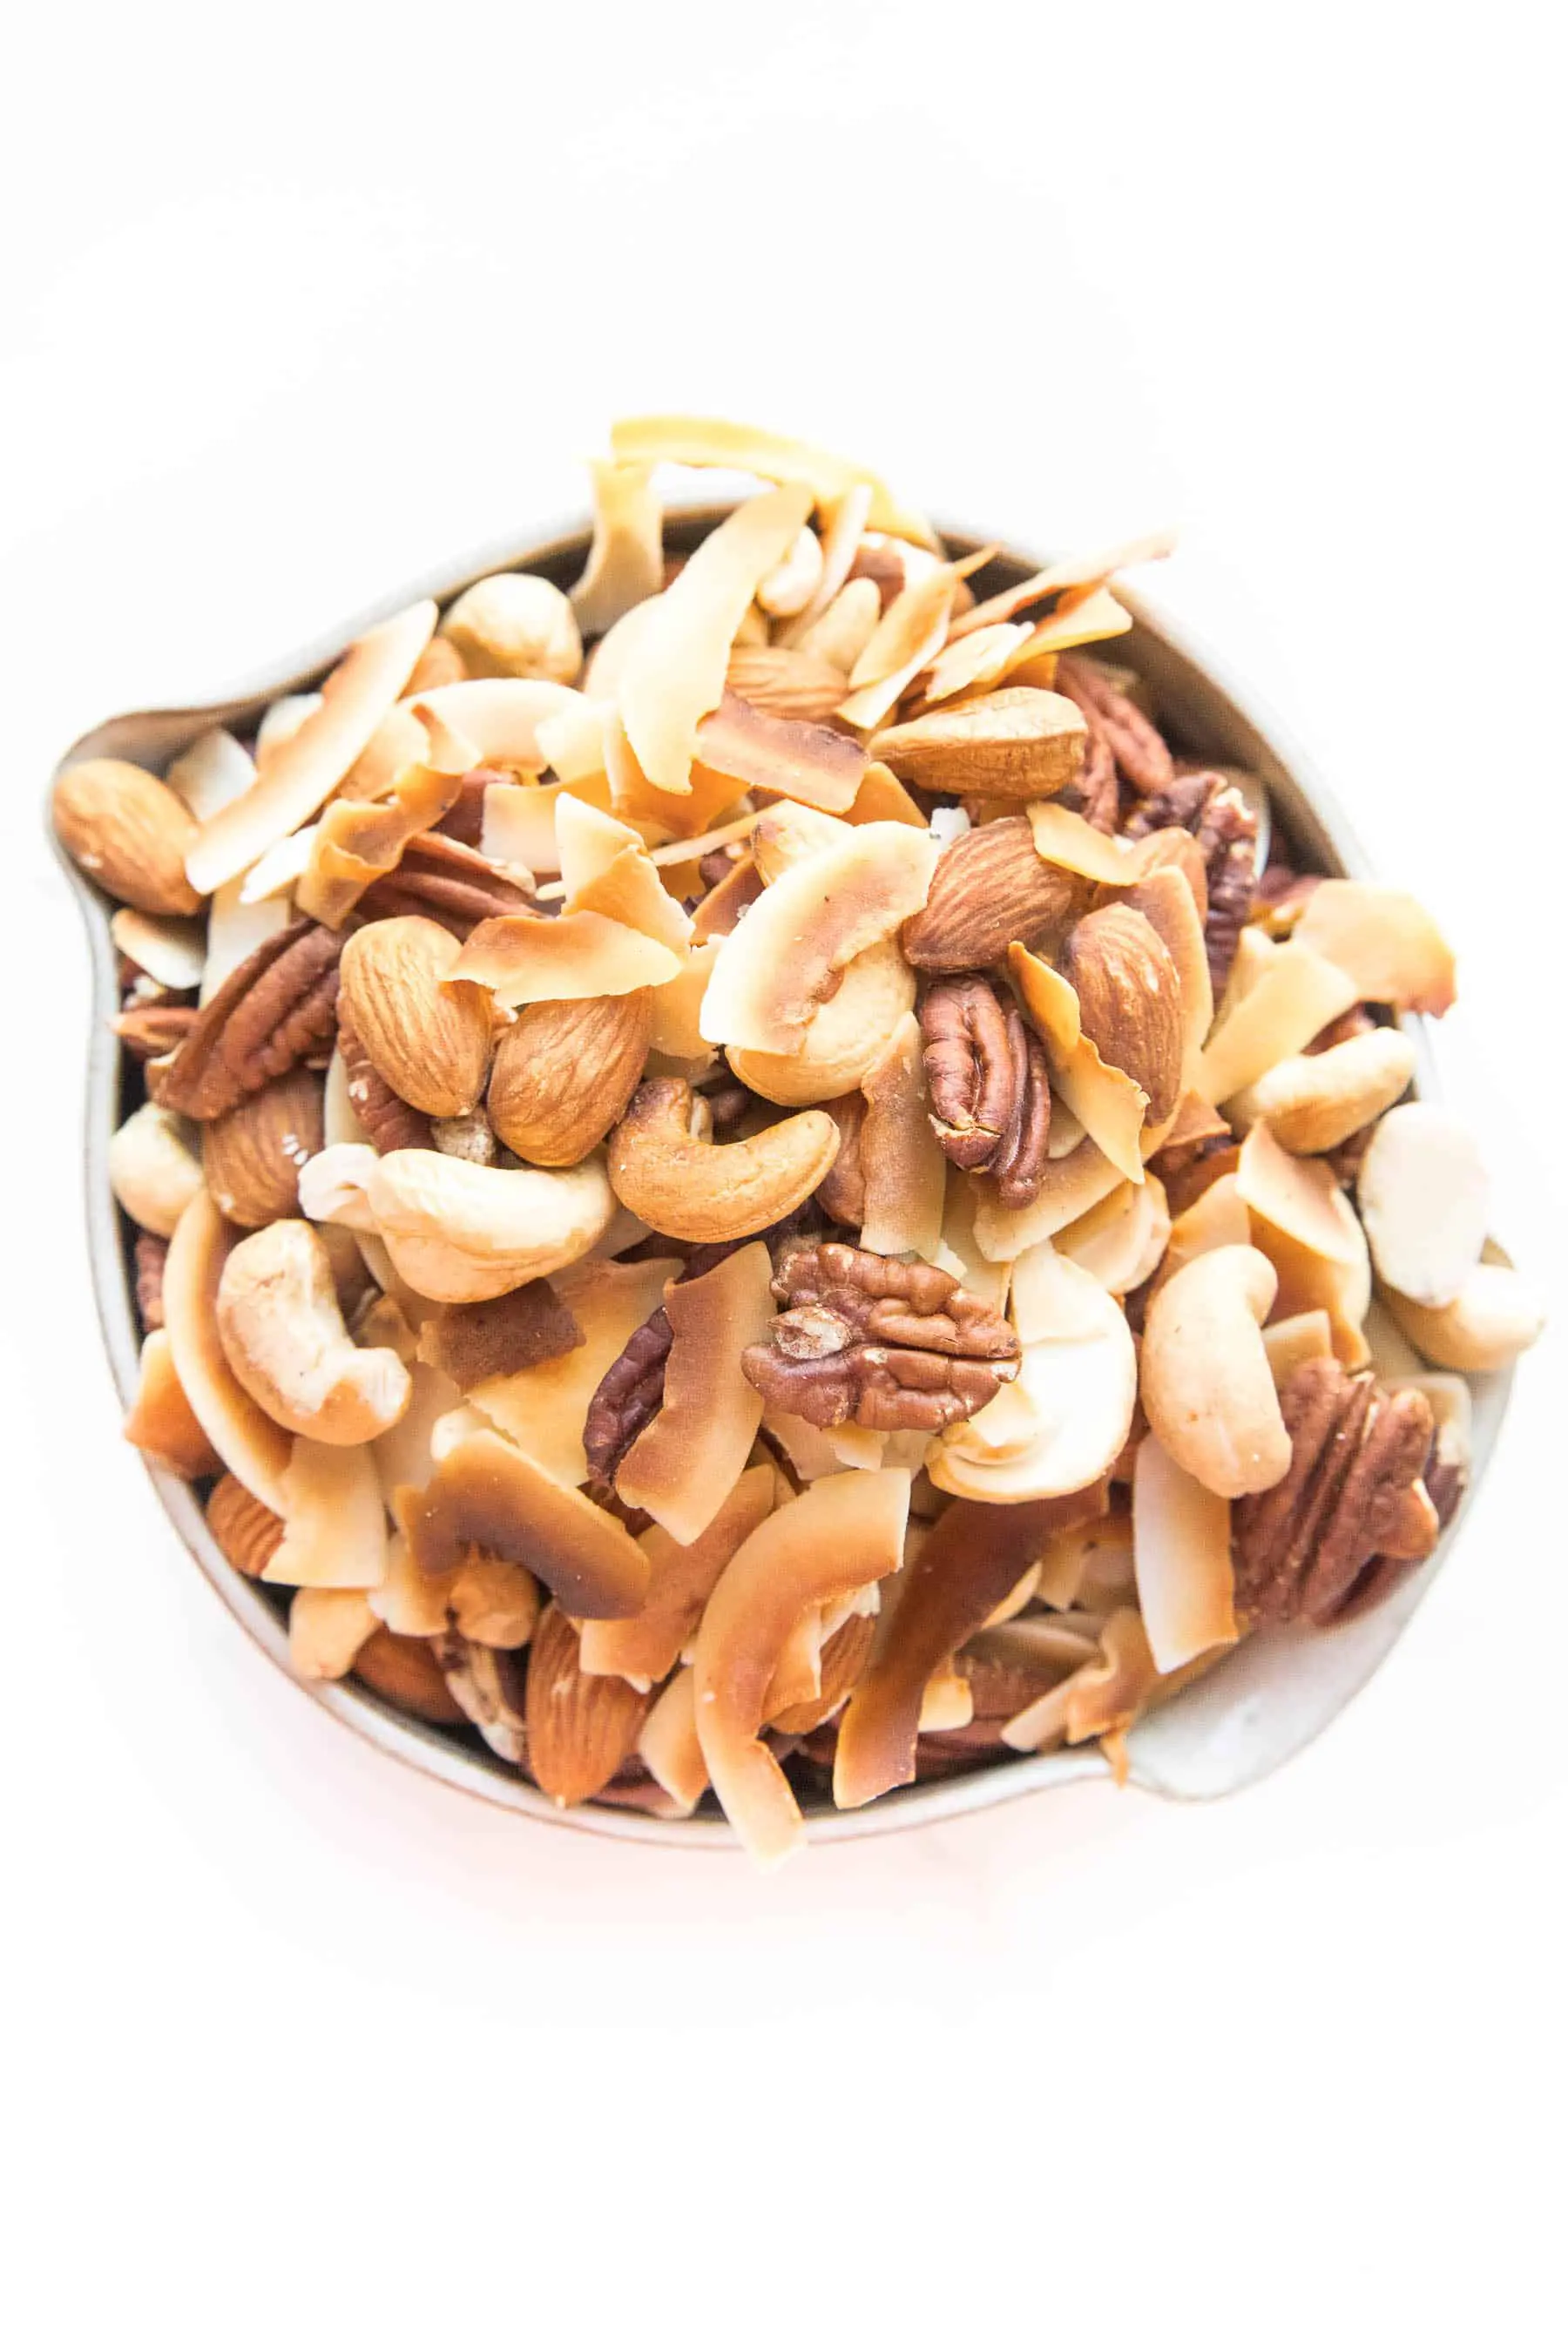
(796, 1678)
(658, 815)
(625, 561)
(542, 1409)
(788, 834)
(844, 1650)
(1426, 1203)
(1069, 1188)
(168, 948)
(759, 753)
(1296, 1339)
(1196, 1122)
(446, 748)
(161, 1423)
(844, 1037)
(1121, 1241)
(675, 674)
(882, 800)
(242, 1436)
(1300, 1197)
(606, 870)
(771, 457)
(215, 769)
(275, 872)
(1071, 579)
(1384, 942)
(946, 1703)
(572, 739)
(1078, 1382)
(498, 720)
(535, 959)
(354, 701)
(356, 842)
(334, 1522)
(771, 975)
(404, 1456)
(606, 665)
(669, 1747)
(839, 542)
(1217, 1219)
(676, 1007)
(1180, 1539)
(517, 828)
(909, 636)
(1296, 993)
(1098, 616)
(695, 1447)
(844, 1532)
(906, 1174)
(1090, 1567)
(967, 662)
(1107, 1103)
(970, 1561)
(1098, 1699)
(958, 1251)
(236, 930)
(327, 1631)
(1064, 838)
(487, 1492)
(282, 720)
(643, 1648)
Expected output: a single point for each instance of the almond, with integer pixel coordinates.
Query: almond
(403, 1671)
(131, 833)
(245, 1530)
(1021, 743)
(581, 1727)
(1130, 1001)
(252, 1156)
(991, 887)
(565, 1071)
(787, 682)
(429, 1041)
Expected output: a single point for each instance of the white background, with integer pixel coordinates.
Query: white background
(302, 301)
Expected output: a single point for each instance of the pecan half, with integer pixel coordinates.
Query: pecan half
(1300, 1549)
(990, 1084)
(841, 1195)
(632, 1390)
(1225, 830)
(1094, 792)
(445, 879)
(391, 1124)
(463, 821)
(150, 1252)
(271, 1013)
(1136, 745)
(154, 1027)
(876, 1340)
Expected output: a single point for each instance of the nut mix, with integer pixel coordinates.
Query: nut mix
(754, 1183)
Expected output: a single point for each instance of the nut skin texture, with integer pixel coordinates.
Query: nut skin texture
(878, 1340)
(252, 1156)
(565, 1073)
(272, 1010)
(1130, 1001)
(245, 1530)
(430, 1042)
(1356, 1452)
(581, 1727)
(1135, 743)
(404, 1672)
(391, 1124)
(989, 1085)
(129, 833)
(991, 886)
(702, 1192)
(449, 882)
(1021, 742)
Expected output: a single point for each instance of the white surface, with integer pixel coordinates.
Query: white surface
(297, 306)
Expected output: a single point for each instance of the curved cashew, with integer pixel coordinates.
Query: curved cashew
(282, 1331)
(152, 1172)
(456, 1230)
(1313, 1101)
(1206, 1386)
(702, 1192)
(845, 1038)
(1495, 1317)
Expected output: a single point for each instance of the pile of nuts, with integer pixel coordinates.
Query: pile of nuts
(751, 1183)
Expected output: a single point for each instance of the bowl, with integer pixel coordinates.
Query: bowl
(1260, 1707)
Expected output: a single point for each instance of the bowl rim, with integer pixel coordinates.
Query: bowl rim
(1183, 662)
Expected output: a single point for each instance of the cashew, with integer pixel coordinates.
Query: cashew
(1313, 1101)
(844, 1037)
(703, 1192)
(793, 581)
(457, 1232)
(282, 1331)
(1207, 1384)
(514, 625)
(1495, 1317)
(152, 1171)
(1424, 1200)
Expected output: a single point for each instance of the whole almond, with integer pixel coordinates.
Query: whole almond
(991, 886)
(581, 1727)
(787, 682)
(565, 1071)
(245, 1530)
(252, 1156)
(402, 1669)
(1021, 743)
(431, 1043)
(1130, 1001)
(130, 831)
